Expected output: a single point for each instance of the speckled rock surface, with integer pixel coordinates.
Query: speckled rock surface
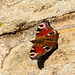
(14, 14)
(60, 62)
(18, 23)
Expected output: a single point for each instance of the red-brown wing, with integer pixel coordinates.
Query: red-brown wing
(46, 31)
(45, 41)
(38, 50)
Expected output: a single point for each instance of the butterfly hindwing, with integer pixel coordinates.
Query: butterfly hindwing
(36, 51)
(46, 40)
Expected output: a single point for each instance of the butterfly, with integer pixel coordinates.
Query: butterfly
(45, 41)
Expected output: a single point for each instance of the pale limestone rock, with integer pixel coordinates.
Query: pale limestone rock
(7, 42)
(13, 13)
(18, 16)
(60, 62)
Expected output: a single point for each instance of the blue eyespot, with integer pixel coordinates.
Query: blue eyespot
(47, 48)
(51, 33)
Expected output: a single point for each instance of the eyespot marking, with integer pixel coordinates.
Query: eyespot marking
(51, 33)
(41, 25)
(32, 53)
(47, 48)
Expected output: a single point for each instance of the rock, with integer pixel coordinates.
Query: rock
(15, 14)
(60, 62)
(18, 24)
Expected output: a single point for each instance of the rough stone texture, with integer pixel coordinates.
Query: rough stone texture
(14, 14)
(60, 62)
(18, 23)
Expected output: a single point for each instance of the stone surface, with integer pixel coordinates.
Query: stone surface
(60, 62)
(14, 14)
(18, 23)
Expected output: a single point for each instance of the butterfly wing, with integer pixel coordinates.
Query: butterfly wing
(43, 29)
(46, 38)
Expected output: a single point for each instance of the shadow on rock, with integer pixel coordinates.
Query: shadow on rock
(43, 58)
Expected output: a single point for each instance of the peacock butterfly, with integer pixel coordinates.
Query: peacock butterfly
(46, 40)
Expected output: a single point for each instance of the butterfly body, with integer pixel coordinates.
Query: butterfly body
(46, 40)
